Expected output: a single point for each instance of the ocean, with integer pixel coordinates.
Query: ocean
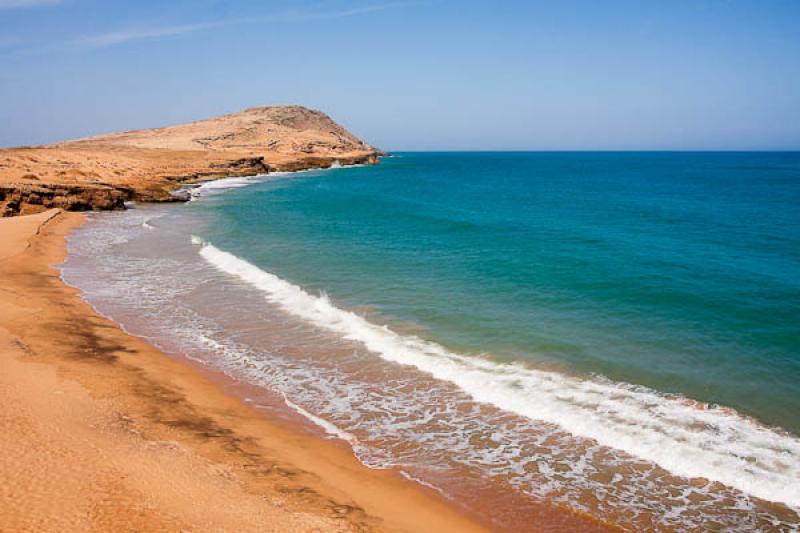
(614, 333)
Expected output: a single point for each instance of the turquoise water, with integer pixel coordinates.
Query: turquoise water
(613, 333)
(678, 271)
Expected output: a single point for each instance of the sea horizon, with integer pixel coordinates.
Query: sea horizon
(372, 266)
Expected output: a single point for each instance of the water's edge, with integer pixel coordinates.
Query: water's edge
(762, 465)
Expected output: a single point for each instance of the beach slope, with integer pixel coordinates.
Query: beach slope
(100, 431)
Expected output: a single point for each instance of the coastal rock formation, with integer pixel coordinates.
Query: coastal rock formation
(104, 171)
(24, 198)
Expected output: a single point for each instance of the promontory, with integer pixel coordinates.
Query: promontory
(105, 171)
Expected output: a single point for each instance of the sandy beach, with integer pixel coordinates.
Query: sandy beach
(396, 266)
(103, 431)
(100, 431)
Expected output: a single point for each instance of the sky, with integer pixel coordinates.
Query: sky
(416, 74)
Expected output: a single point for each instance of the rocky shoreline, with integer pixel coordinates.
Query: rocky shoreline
(25, 196)
(104, 172)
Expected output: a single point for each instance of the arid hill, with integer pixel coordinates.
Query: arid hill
(103, 172)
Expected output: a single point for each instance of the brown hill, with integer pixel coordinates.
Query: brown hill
(104, 171)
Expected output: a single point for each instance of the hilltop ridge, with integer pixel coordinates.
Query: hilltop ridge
(104, 171)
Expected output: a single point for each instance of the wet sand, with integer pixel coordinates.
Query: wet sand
(100, 431)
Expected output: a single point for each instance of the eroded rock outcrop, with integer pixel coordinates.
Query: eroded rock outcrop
(25, 198)
(105, 171)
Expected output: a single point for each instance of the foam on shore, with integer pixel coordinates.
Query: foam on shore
(687, 438)
(224, 184)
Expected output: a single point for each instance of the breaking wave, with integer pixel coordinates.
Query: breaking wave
(687, 438)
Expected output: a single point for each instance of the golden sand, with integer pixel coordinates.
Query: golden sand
(100, 431)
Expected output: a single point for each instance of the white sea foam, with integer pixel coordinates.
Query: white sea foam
(686, 438)
(400, 417)
(220, 185)
(330, 429)
(422, 482)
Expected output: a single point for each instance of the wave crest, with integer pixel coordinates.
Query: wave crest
(687, 438)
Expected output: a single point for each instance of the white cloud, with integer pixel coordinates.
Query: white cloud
(117, 37)
(104, 40)
(346, 12)
(21, 4)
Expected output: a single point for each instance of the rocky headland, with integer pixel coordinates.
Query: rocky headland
(105, 171)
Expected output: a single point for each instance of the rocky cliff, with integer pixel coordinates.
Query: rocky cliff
(103, 172)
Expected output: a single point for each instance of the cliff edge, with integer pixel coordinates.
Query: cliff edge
(104, 171)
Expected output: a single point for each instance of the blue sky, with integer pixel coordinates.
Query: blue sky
(426, 74)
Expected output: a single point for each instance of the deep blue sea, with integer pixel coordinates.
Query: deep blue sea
(646, 305)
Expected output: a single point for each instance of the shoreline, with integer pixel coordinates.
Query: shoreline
(105, 171)
(518, 512)
(109, 431)
(175, 245)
